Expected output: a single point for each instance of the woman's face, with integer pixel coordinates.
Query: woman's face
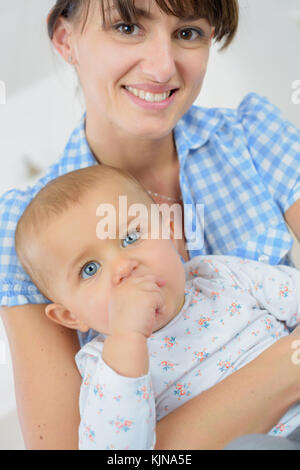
(128, 71)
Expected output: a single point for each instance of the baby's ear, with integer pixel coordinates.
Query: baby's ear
(59, 314)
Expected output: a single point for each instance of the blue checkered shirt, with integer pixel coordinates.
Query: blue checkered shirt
(242, 164)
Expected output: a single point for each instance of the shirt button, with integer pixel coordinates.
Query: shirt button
(264, 259)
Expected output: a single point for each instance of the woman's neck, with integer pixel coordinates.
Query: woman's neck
(139, 156)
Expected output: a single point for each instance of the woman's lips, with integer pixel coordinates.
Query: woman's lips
(151, 105)
(153, 88)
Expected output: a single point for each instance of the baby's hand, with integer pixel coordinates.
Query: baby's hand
(136, 303)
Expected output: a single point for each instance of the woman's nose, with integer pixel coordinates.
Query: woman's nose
(123, 269)
(158, 62)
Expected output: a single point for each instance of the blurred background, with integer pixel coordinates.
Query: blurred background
(42, 106)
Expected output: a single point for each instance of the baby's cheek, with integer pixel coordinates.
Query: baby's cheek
(93, 308)
(177, 273)
(171, 273)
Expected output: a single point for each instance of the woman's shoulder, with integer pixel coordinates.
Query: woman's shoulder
(15, 200)
(75, 155)
(256, 112)
(200, 125)
(251, 106)
(254, 102)
(16, 287)
(256, 124)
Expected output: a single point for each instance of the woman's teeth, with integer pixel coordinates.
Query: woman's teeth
(150, 97)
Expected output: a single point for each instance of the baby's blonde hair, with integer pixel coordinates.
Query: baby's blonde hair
(53, 200)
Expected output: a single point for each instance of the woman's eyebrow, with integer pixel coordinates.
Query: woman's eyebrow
(141, 13)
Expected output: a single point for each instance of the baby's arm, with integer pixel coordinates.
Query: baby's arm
(117, 412)
(117, 405)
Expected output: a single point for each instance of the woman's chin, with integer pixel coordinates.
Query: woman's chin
(153, 131)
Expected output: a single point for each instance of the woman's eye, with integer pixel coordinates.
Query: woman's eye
(89, 270)
(127, 29)
(132, 237)
(190, 34)
(186, 34)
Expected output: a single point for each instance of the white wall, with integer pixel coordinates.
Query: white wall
(41, 107)
(264, 57)
(25, 52)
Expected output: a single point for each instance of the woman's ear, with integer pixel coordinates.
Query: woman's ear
(62, 40)
(59, 314)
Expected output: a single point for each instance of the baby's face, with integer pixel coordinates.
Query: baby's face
(86, 271)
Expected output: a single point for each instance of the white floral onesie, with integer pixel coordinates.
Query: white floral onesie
(233, 310)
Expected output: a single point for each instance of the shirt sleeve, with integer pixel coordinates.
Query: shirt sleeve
(16, 287)
(117, 413)
(274, 144)
(275, 288)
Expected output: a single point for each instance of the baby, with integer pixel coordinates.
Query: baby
(164, 331)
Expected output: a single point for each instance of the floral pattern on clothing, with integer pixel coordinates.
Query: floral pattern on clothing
(233, 310)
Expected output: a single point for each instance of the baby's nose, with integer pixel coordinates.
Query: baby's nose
(124, 269)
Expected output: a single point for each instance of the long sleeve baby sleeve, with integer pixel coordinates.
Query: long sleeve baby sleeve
(116, 412)
(275, 288)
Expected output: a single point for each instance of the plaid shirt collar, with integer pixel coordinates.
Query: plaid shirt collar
(192, 131)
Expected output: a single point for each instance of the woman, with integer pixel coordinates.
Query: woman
(140, 71)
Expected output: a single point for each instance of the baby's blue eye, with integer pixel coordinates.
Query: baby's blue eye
(132, 237)
(89, 270)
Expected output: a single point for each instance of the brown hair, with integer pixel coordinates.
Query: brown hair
(222, 14)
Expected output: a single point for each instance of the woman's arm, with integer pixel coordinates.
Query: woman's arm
(292, 217)
(250, 401)
(47, 382)
(47, 388)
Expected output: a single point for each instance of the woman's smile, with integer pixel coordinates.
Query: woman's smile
(148, 100)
